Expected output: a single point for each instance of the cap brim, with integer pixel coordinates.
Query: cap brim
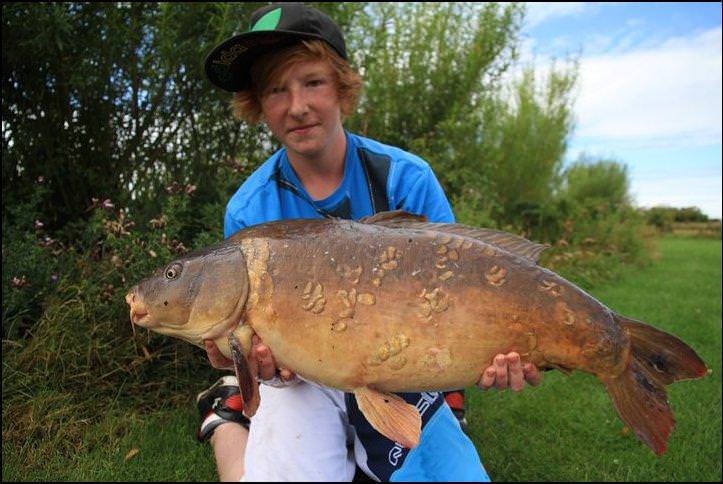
(228, 65)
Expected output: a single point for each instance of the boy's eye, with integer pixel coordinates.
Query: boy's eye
(315, 82)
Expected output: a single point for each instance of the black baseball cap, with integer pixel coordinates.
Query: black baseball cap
(272, 26)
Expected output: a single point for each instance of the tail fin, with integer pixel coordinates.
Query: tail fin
(638, 393)
(663, 354)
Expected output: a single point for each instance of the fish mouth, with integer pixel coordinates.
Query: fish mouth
(140, 317)
(139, 313)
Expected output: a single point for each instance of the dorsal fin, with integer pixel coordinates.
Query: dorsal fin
(504, 240)
(395, 216)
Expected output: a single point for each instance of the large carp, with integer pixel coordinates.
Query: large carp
(395, 304)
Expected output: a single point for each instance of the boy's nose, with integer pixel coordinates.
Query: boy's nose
(299, 105)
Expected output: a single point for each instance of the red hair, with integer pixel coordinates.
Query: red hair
(246, 104)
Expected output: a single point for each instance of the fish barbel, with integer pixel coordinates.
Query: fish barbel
(395, 304)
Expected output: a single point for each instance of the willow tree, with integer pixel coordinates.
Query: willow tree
(109, 100)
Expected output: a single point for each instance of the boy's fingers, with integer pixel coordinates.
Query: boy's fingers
(517, 380)
(501, 377)
(488, 378)
(286, 374)
(267, 368)
(532, 374)
(215, 357)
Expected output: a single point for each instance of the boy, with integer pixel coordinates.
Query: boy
(290, 71)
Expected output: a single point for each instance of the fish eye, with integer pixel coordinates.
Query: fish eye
(173, 271)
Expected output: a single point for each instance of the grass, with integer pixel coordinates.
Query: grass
(710, 229)
(567, 429)
(129, 448)
(564, 430)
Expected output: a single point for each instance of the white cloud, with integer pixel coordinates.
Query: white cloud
(646, 101)
(539, 12)
(672, 91)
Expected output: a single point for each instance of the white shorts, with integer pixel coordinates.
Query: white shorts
(300, 433)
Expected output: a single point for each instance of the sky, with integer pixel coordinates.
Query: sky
(648, 94)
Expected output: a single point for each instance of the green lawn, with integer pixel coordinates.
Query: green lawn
(564, 430)
(166, 445)
(567, 429)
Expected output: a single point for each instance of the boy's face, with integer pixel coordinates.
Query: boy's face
(302, 109)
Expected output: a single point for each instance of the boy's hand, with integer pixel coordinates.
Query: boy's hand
(507, 371)
(259, 351)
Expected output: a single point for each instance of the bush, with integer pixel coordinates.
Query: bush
(593, 183)
(663, 218)
(69, 352)
(31, 265)
(660, 217)
(598, 231)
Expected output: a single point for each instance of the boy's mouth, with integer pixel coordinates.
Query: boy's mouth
(303, 129)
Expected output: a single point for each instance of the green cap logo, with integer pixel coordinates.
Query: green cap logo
(268, 21)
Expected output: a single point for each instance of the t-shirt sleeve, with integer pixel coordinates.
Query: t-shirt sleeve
(232, 223)
(426, 197)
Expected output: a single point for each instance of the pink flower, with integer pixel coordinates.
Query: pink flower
(18, 283)
(46, 242)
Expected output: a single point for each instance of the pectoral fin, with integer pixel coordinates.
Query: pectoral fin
(390, 415)
(245, 370)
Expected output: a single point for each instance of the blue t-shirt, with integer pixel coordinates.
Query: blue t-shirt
(377, 177)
